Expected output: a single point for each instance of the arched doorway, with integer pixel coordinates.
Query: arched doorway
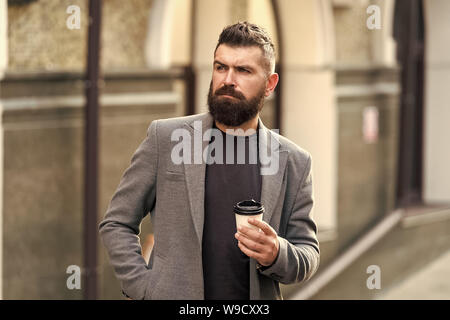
(303, 32)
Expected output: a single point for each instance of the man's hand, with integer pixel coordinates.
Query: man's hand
(260, 245)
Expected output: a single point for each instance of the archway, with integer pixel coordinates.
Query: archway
(305, 37)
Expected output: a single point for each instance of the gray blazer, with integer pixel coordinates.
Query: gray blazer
(174, 196)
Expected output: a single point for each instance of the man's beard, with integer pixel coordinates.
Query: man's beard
(233, 112)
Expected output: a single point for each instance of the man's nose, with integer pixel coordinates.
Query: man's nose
(229, 78)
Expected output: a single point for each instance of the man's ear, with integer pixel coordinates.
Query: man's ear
(271, 84)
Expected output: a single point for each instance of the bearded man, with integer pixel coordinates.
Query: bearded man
(199, 253)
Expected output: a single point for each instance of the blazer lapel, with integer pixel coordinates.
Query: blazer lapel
(195, 171)
(272, 178)
(272, 172)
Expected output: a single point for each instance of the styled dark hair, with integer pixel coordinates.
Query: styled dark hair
(246, 34)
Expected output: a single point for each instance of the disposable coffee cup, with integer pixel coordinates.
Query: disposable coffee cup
(247, 209)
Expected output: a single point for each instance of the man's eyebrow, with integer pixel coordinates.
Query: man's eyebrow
(218, 62)
(244, 66)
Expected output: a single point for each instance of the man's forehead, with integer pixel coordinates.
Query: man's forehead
(238, 55)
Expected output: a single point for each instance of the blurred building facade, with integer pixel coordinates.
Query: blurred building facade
(340, 98)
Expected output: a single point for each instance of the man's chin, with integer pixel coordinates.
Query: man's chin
(225, 119)
(232, 111)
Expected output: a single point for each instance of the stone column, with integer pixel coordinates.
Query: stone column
(211, 17)
(436, 169)
(158, 44)
(168, 34)
(309, 115)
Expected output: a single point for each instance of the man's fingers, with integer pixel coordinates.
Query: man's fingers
(254, 235)
(262, 225)
(261, 245)
(250, 244)
(248, 252)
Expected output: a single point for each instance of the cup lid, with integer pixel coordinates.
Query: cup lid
(249, 207)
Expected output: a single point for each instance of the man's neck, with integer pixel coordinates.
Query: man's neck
(250, 124)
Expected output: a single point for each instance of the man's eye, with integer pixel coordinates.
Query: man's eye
(243, 70)
(219, 67)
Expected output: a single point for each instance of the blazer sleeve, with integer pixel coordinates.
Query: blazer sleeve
(298, 255)
(134, 198)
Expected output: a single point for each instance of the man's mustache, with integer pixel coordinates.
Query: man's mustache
(229, 91)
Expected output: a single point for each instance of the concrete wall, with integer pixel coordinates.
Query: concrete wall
(43, 170)
(367, 169)
(56, 47)
(351, 20)
(356, 44)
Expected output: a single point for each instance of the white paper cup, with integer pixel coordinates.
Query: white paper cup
(247, 209)
(242, 220)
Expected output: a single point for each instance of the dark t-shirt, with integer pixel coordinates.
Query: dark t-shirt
(225, 266)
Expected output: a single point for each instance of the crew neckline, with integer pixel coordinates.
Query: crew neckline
(236, 136)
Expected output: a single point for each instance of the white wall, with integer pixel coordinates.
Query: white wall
(437, 102)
